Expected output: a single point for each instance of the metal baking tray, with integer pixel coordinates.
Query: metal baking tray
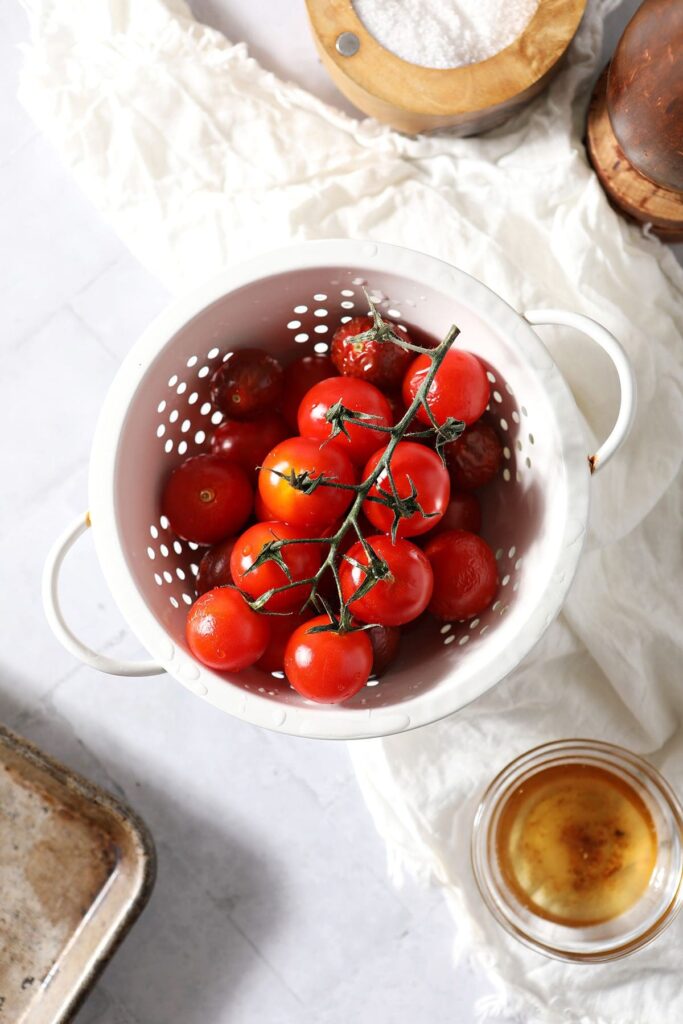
(76, 869)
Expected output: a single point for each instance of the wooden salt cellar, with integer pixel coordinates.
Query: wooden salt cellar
(468, 100)
(635, 120)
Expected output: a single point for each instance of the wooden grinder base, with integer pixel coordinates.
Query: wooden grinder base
(628, 190)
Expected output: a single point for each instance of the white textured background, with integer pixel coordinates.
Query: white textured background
(272, 903)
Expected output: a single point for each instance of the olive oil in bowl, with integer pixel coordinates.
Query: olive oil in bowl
(577, 849)
(577, 844)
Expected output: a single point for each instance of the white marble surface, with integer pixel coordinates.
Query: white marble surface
(272, 902)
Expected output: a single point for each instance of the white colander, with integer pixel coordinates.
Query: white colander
(157, 413)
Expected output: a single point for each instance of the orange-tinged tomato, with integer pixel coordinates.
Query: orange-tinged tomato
(324, 505)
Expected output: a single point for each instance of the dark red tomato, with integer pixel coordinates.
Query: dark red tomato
(411, 464)
(475, 457)
(404, 592)
(281, 628)
(463, 512)
(300, 376)
(385, 642)
(465, 575)
(459, 389)
(247, 442)
(224, 633)
(249, 382)
(214, 568)
(357, 396)
(327, 667)
(382, 363)
(302, 560)
(313, 511)
(207, 498)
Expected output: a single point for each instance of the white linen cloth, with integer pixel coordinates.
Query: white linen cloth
(198, 157)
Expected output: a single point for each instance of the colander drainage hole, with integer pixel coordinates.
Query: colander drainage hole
(300, 309)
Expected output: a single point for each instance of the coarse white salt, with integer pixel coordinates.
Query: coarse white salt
(445, 33)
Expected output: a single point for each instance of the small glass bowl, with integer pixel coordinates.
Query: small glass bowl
(585, 943)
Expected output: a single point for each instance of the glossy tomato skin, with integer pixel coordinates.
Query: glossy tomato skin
(281, 628)
(356, 395)
(302, 560)
(261, 511)
(463, 512)
(402, 595)
(474, 458)
(300, 376)
(327, 667)
(459, 389)
(224, 633)
(380, 363)
(411, 463)
(385, 642)
(207, 498)
(214, 567)
(465, 575)
(398, 411)
(247, 442)
(313, 511)
(249, 382)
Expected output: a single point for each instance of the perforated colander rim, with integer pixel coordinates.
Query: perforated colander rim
(325, 721)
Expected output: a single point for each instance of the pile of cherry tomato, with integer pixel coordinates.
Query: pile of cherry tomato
(236, 499)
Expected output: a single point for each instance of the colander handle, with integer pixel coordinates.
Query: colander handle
(55, 617)
(627, 384)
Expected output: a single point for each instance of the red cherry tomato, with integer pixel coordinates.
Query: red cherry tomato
(475, 457)
(302, 560)
(207, 498)
(459, 389)
(398, 411)
(224, 633)
(261, 511)
(357, 396)
(281, 628)
(404, 592)
(382, 363)
(327, 667)
(300, 376)
(385, 642)
(247, 442)
(465, 575)
(411, 464)
(463, 512)
(214, 568)
(314, 511)
(249, 382)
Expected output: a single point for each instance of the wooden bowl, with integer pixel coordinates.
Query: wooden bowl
(469, 99)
